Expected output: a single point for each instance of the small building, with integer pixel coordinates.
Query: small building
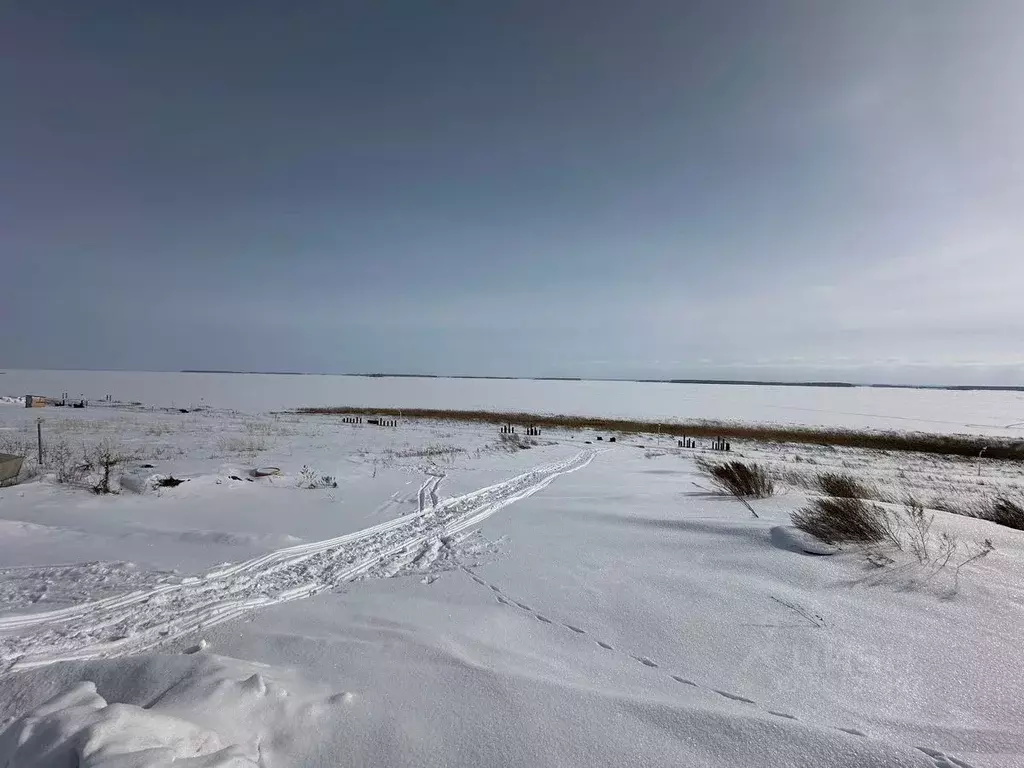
(35, 401)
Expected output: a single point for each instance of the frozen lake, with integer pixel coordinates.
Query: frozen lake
(853, 407)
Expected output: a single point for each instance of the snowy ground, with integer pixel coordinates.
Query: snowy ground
(939, 411)
(455, 600)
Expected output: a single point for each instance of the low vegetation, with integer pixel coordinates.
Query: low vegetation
(742, 479)
(310, 479)
(844, 486)
(1005, 511)
(846, 520)
(880, 531)
(955, 445)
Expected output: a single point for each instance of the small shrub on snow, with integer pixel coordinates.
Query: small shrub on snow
(846, 520)
(1005, 511)
(311, 479)
(105, 457)
(738, 478)
(844, 486)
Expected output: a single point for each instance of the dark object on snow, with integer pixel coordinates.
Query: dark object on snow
(611, 439)
(79, 404)
(600, 438)
(145, 466)
(234, 477)
(10, 466)
(249, 479)
(588, 442)
(183, 410)
(265, 471)
(169, 482)
(373, 421)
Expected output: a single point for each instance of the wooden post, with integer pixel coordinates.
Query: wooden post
(39, 439)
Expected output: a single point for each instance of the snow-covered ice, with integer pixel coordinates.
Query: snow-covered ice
(453, 601)
(944, 411)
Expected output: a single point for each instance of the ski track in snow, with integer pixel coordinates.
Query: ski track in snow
(940, 759)
(143, 619)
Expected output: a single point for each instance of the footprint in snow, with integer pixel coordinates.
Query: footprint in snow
(495, 588)
(524, 606)
(645, 661)
(577, 630)
(852, 731)
(604, 645)
(503, 601)
(683, 680)
(783, 714)
(479, 581)
(543, 618)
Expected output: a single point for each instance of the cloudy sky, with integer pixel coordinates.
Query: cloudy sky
(595, 188)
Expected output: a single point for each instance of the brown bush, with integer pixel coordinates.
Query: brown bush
(738, 478)
(845, 486)
(845, 520)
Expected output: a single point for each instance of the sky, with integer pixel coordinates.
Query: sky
(743, 190)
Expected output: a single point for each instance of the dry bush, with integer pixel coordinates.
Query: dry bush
(512, 443)
(1001, 509)
(844, 486)
(69, 466)
(846, 520)
(311, 479)
(104, 458)
(853, 521)
(1004, 511)
(738, 478)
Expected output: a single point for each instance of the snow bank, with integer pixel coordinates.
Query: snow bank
(198, 711)
(8, 400)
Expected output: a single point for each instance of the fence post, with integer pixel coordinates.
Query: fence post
(39, 439)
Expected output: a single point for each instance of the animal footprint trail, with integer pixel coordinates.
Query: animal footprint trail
(940, 759)
(148, 617)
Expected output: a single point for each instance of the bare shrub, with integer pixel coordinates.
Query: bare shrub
(311, 479)
(843, 486)
(69, 466)
(512, 443)
(1005, 511)
(846, 520)
(105, 457)
(739, 478)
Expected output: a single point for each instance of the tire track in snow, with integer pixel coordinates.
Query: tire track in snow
(143, 619)
(940, 759)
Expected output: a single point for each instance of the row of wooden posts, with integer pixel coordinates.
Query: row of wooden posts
(510, 429)
(718, 444)
(376, 422)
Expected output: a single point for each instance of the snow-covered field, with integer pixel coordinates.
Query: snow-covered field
(432, 594)
(995, 413)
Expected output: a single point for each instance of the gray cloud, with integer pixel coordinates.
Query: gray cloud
(664, 189)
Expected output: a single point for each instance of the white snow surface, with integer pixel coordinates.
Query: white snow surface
(945, 411)
(452, 603)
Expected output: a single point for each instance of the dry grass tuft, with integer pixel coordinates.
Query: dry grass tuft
(1004, 511)
(844, 486)
(846, 520)
(738, 478)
